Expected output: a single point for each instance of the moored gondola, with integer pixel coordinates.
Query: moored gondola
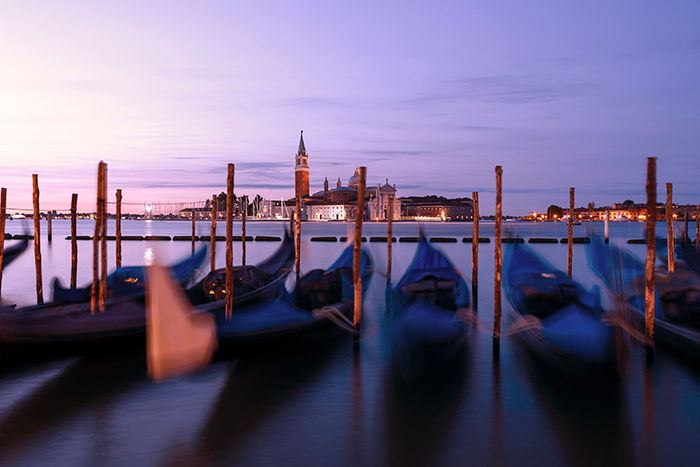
(73, 325)
(127, 281)
(322, 301)
(559, 321)
(13, 252)
(425, 329)
(677, 296)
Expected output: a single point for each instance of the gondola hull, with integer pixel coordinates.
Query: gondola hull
(74, 325)
(611, 261)
(564, 328)
(426, 335)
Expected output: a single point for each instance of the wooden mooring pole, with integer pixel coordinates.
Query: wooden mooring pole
(96, 247)
(697, 227)
(212, 238)
(244, 200)
(389, 237)
(3, 216)
(297, 237)
(670, 235)
(651, 247)
(570, 239)
(73, 240)
(498, 255)
(686, 234)
(229, 241)
(475, 249)
(118, 229)
(49, 229)
(103, 240)
(37, 240)
(607, 225)
(194, 227)
(357, 250)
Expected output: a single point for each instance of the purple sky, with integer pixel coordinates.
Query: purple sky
(432, 95)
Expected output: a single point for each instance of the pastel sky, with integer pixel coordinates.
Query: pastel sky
(431, 95)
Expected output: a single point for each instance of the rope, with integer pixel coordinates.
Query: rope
(469, 316)
(524, 323)
(620, 317)
(336, 316)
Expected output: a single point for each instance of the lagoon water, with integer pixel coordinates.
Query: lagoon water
(332, 405)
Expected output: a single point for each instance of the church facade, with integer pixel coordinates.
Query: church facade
(340, 203)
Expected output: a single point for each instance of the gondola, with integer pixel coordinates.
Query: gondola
(559, 321)
(127, 281)
(675, 294)
(322, 300)
(73, 325)
(425, 331)
(11, 253)
(686, 252)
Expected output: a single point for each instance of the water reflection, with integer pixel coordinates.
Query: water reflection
(91, 381)
(589, 416)
(420, 412)
(256, 388)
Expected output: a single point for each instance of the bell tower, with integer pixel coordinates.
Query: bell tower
(301, 170)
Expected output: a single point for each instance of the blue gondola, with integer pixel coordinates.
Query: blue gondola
(568, 333)
(129, 280)
(424, 328)
(12, 252)
(73, 325)
(320, 297)
(624, 275)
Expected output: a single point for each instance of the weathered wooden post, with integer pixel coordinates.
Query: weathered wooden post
(570, 227)
(73, 240)
(49, 229)
(651, 247)
(475, 249)
(607, 225)
(670, 238)
(229, 242)
(118, 229)
(212, 239)
(194, 218)
(103, 240)
(357, 250)
(96, 247)
(697, 227)
(686, 234)
(96, 286)
(498, 255)
(3, 216)
(297, 237)
(291, 226)
(389, 237)
(37, 240)
(243, 229)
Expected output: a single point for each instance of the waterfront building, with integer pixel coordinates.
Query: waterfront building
(436, 208)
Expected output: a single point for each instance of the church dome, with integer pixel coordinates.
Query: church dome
(354, 181)
(387, 187)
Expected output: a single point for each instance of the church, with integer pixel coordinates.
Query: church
(340, 203)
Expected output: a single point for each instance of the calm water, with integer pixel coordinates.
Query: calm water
(333, 406)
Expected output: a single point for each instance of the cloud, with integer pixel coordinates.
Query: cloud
(505, 89)
(312, 101)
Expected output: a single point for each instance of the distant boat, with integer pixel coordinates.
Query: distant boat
(18, 216)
